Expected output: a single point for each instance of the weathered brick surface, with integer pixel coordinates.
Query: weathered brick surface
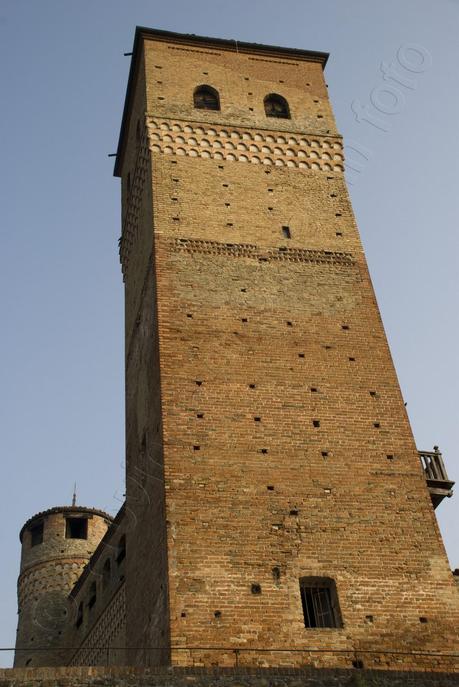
(242, 80)
(218, 301)
(147, 618)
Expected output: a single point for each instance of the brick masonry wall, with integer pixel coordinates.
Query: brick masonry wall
(147, 617)
(279, 430)
(242, 80)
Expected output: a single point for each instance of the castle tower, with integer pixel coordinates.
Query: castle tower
(56, 546)
(277, 492)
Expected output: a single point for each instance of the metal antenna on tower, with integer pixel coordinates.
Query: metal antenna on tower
(74, 495)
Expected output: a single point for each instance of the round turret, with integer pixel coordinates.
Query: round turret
(56, 546)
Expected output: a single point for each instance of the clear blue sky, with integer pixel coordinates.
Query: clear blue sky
(63, 80)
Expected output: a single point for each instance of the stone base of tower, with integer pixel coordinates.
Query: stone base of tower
(230, 677)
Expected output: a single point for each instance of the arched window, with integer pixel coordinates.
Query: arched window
(92, 595)
(206, 98)
(79, 618)
(276, 106)
(121, 550)
(106, 573)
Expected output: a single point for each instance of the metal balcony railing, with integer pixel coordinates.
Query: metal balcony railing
(436, 476)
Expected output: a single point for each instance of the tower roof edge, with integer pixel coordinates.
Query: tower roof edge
(143, 32)
(65, 509)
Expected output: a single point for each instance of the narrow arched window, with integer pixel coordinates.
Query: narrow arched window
(106, 573)
(121, 550)
(92, 595)
(79, 618)
(206, 98)
(276, 106)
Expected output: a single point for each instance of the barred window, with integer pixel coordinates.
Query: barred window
(319, 599)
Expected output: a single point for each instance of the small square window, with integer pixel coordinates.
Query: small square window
(36, 534)
(76, 528)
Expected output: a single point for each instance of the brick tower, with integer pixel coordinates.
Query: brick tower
(281, 512)
(56, 546)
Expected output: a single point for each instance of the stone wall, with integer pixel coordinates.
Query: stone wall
(124, 677)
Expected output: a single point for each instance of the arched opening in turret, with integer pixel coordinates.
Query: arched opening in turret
(276, 106)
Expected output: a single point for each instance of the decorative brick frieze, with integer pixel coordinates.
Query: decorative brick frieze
(268, 254)
(256, 146)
